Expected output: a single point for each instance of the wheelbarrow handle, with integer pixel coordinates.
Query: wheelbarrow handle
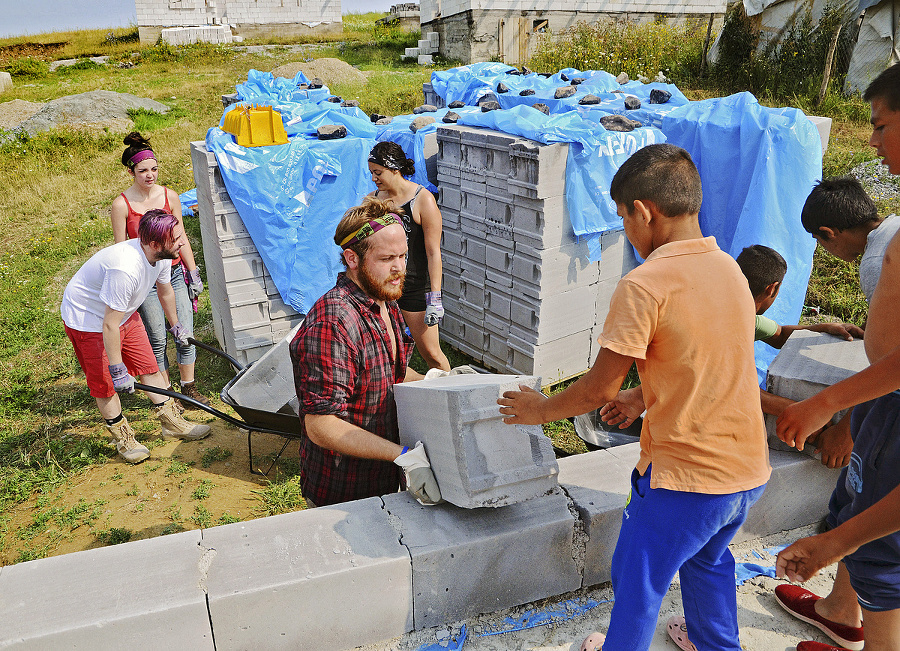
(199, 344)
(212, 410)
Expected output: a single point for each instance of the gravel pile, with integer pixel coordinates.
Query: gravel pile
(877, 180)
(329, 70)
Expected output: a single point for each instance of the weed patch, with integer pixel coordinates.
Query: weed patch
(114, 535)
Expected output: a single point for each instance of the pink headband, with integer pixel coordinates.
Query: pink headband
(370, 228)
(141, 155)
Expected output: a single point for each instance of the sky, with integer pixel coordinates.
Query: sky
(19, 17)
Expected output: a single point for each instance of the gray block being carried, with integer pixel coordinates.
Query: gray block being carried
(807, 363)
(477, 459)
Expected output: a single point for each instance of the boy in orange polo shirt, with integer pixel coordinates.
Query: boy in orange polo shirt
(686, 317)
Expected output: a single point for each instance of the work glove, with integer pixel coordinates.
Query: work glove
(180, 333)
(420, 481)
(194, 284)
(456, 370)
(434, 309)
(122, 381)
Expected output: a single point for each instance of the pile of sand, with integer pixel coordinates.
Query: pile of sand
(14, 113)
(330, 71)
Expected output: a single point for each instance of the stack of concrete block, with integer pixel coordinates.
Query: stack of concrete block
(198, 34)
(807, 363)
(477, 459)
(431, 97)
(425, 50)
(248, 313)
(520, 293)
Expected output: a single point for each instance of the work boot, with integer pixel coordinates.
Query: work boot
(123, 436)
(178, 406)
(175, 426)
(189, 389)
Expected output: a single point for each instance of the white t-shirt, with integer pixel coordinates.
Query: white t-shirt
(119, 276)
(873, 256)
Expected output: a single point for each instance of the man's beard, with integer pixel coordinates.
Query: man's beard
(379, 289)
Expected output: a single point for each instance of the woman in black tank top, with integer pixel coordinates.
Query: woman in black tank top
(421, 218)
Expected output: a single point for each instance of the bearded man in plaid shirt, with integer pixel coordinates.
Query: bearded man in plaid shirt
(350, 351)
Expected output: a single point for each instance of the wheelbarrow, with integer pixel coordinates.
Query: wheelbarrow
(254, 418)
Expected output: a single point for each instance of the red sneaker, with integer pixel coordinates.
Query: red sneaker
(817, 646)
(800, 603)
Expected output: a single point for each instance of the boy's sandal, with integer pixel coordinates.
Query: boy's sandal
(677, 630)
(593, 642)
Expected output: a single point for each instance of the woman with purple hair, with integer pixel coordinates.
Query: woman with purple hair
(127, 209)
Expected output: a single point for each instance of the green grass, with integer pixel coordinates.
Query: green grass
(58, 188)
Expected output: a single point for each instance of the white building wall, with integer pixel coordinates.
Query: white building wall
(185, 13)
(432, 9)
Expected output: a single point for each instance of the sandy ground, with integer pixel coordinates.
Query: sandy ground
(764, 625)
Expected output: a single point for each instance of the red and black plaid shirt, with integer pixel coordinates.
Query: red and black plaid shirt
(342, 367)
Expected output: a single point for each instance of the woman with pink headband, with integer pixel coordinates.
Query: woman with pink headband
(421, 218)
(127, 209)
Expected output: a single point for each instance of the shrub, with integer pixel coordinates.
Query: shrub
(28, 67)
(624, 46)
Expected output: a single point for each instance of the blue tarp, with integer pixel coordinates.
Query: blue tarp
(757, 165)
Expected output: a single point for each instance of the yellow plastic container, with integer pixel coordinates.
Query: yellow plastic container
(255, 126)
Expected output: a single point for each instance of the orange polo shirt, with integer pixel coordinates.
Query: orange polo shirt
(687, 317)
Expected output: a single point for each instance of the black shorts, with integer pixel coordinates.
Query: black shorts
(413, 299)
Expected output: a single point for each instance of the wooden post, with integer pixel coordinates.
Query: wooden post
(706, 45)
(829, 64)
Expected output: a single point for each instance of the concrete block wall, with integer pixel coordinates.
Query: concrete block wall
(248, 313)
(342, 576)
(245, 15)
(807, 363)
(519, 292)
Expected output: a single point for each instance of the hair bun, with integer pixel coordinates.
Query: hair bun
(135, 139)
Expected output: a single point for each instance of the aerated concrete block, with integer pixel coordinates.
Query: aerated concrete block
(468, 562)
(554, 361)
(598, 483)
(807, 363)
(147, 594)
(334, 577)
(823, 125)
(477, 459)
(268, 384)
(5, 82)
(616, 255)
(540, 321)
(796, 495)
(537, 171)
(544, 272)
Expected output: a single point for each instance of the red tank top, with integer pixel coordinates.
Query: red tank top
(133, 217)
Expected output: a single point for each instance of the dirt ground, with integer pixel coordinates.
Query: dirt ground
(763, 624)
(169, 492)
(35, 50)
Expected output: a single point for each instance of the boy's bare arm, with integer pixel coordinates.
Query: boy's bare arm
(882, 348)
(597, 387)
(846, 331)
(804, 558)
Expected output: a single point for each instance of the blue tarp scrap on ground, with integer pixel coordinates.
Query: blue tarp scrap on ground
(757, 166)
